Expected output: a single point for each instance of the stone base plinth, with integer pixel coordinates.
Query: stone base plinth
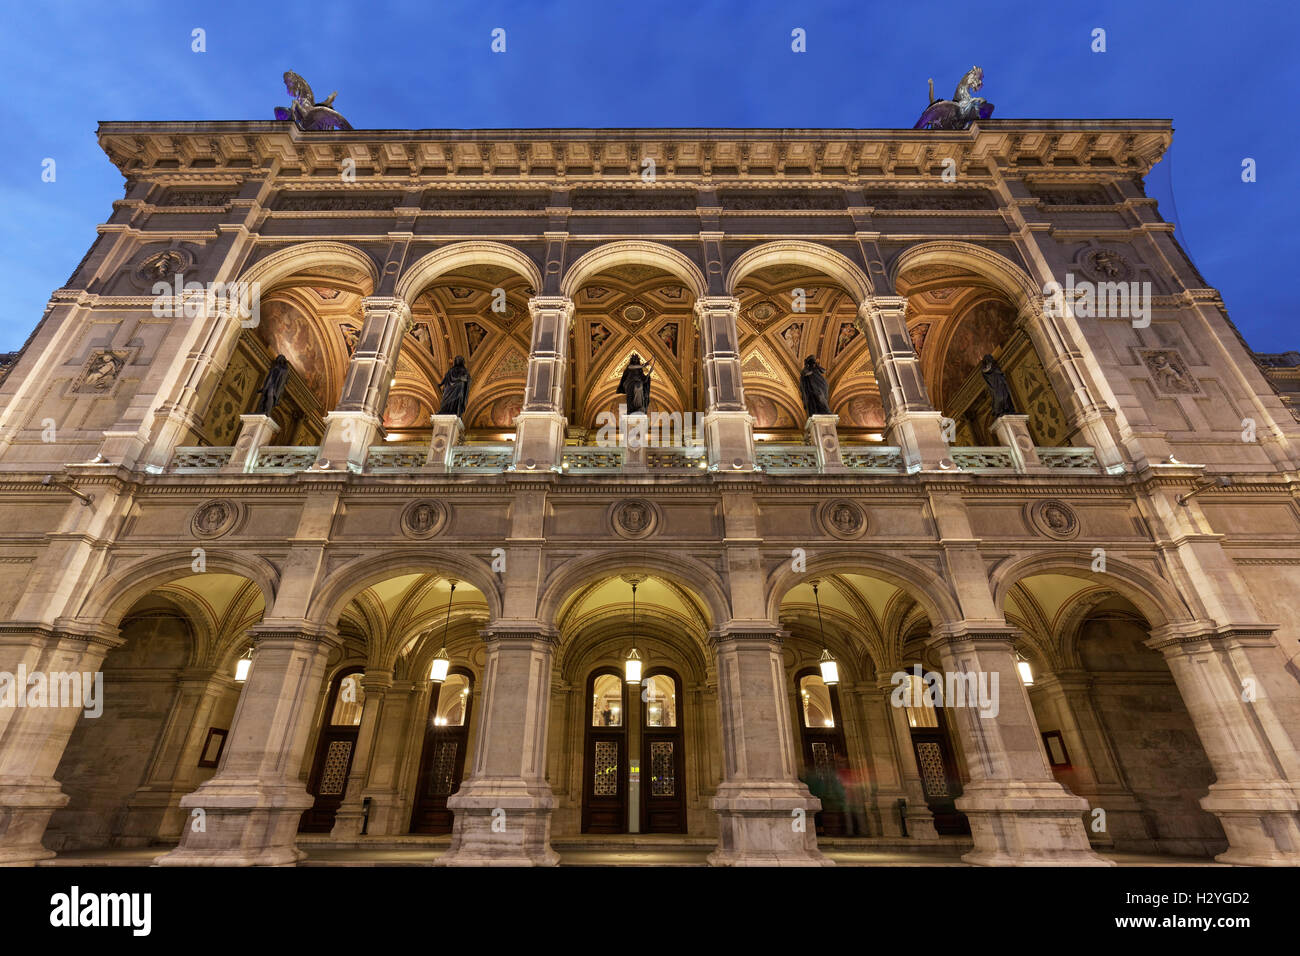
(242, 824)
(919, 437)
(1026, 824)
(25, 810)
(254, 432)
(348, 436)
(539, 440)
(1013, 432)
(501, 824)
(766, 825)
(729, 437)
(1260, 820)
(447, 432)
(820, 432)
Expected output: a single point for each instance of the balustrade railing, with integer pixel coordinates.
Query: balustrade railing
(774, 459)
(1069, 459)
(591, 459)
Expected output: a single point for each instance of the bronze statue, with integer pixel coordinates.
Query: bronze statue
(635, 384)
(813, 388)
(999, 390)
(277, 377)
(960, 111)
(455, 388)
(305, 111)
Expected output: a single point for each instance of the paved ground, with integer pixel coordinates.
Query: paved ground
(605, 851)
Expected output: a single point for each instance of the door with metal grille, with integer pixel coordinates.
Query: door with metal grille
(605, 772)
(663, 781)
(335, 749)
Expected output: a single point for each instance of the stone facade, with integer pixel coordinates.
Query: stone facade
(1128, 532)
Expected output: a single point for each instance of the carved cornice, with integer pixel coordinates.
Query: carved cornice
(520, 631)
(1115, 148)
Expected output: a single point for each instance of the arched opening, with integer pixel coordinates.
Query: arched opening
(787, 313)
(410, 735)
(956, 316)
(155, 725)
(627, 309)
(479, 313)
(313, 318)
(633, 756)
(1114, 726)
(874, 756)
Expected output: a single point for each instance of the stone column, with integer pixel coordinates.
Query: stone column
(32, 739)
(765, 814)
(1013, 432)
(254, 432)
(1064, 364)
(539, 429)
(911, 422)
(350, 815)
(252, 807)
(820, 432)
(1243, 702)
(215, 330)
(728, 426)
(1018, 813)
(350, 429)
(920, 821)
(503, 810)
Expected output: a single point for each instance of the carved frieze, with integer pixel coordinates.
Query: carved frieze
(336, 202)
(101, 371)
(1104, 265)
(1168, 370)
(161, 266)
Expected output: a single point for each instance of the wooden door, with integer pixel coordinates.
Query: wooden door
(939, 777)
(334, 751)
(663, 779)
(442, 761)
(605, 771)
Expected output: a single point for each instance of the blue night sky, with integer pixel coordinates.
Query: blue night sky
(1222, 72)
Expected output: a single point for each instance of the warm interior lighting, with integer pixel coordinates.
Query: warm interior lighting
(442, 663)
(243, 666)
(1026, 672)
(632, 666)
(830, 669)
